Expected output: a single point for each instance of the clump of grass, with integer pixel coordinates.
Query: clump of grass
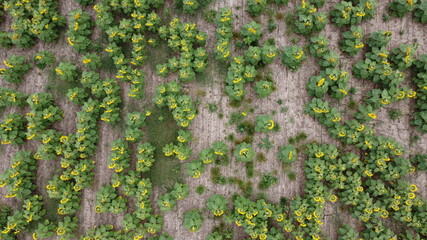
(352, 90)
(414, 139)
(235, 118)
(260, 157)
(250, 169)
(216, 176)
(231, 137)
(165, 171)
(352, 104)
(292, 176)
(200, 189)
(267, 181)
(394, 114)
(212, 107)
(298, 138)
(246, 127)
(280, 16)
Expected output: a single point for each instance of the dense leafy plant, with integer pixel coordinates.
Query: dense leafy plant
(379, 39)
(193, 220)
(251, 32)
(403, 56)
(256, 7)
(244, 152)
(66, 71)
(420, 12)
(399, 8)
(12, 129)
(347, 13)
(79, 30)
(17, 67)
(307, 19)
(217, 204)
(18, 179)
(352, 41)
(44, 59)
(85, 2)
(91, 61)
(265, 124)
(181, 105)
(10, 97)
(292, 57)
(287, 154)
(108, 200)
(318, 45)
(5, 40)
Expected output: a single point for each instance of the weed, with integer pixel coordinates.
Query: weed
(200, 189)
(394, 114)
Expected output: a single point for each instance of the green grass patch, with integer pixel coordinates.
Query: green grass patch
(160, 130)
(57, 87)
(214, 70)
(160, 54)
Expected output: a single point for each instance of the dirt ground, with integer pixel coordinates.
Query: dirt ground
(209, 127)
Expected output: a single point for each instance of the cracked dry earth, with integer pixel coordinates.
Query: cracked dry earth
(209, 127)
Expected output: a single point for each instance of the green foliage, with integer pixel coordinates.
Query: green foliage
(352, 41)
(346, 232)
(18, 178)
(32, 20)
(193, 220)
(77, 95)
(287, 154)
(44, 59)
(108, 200)
(292, 57)
(244, 152)
(217, 204)
(251, 32)
(66, 71)
(190, 6)
(329, 60)
(85, 2)
(318, 46)
(5, 212)
(134, 122)
(256, 7)
(66, 229)
(16, 68)
(10, 97)
(307, 20)
(91, 61)
(182, 106)
(404, 56)
(379, 39)
(420, 161)
(5, 40)
(264, 88)
(265, 124)
(12, 129)
(394, 114)
(267, 181)
(346, 13)
(400, 8)
(200, 189)
(420, 12)
(166, 202)
(79, 30)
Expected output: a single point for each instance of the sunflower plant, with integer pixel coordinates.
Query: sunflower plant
(292, 57)
(244, 152)
(193, 220)
(16, 68)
